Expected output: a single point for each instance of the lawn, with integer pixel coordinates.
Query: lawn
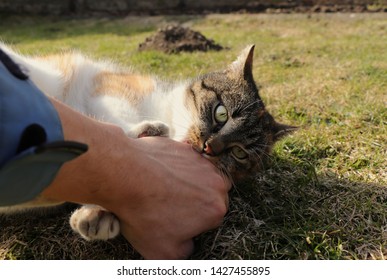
(324, 196)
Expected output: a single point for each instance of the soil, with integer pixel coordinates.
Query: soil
(176, 38)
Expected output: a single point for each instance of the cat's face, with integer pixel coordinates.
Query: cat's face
(232, 128)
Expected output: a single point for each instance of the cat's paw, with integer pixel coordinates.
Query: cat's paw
(150, 128)
(95, 223)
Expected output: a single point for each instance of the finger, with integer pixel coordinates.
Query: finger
(167, 251)
(228, 184)
(186, 249)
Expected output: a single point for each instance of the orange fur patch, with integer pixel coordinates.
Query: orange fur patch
(130, 86)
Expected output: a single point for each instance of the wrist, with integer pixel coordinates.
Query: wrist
(84, 180)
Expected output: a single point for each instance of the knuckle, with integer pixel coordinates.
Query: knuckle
(219, 211)
(222, 210)
(219, 184)
(179, 251)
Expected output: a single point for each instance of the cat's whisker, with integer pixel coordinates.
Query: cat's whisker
(249, 105)
(259, 155)
(226, 175)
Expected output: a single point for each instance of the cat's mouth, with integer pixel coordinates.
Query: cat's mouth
(202, 148)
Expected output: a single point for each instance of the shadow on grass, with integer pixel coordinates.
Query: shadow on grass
(287, 212)
(47, 235)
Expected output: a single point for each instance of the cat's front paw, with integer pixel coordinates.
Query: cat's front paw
(95, 223)
(151, 128)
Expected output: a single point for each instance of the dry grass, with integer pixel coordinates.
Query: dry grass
(324, 195)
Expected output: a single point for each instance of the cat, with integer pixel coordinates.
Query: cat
(220, 114)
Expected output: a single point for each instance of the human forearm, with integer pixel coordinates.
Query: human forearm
(83, 180)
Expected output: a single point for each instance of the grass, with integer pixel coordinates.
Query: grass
(324, 195)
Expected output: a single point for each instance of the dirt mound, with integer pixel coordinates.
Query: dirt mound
(176, 38)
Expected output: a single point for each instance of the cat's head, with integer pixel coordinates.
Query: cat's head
(233, 129)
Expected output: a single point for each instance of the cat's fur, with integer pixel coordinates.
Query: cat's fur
(220, 114)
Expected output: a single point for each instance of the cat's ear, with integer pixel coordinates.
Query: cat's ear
(281, 130)
(243, 65)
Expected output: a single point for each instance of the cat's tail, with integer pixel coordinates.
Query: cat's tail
(44, 76)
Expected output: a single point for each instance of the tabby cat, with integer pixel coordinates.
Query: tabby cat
(220, 114)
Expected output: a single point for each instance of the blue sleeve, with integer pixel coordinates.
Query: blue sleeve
(32, 146)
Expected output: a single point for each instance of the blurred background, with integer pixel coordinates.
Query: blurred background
(154, 7)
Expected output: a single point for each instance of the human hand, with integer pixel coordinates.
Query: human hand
(176, 194)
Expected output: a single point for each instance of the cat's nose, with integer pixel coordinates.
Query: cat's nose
(207, 149)
(213, 147)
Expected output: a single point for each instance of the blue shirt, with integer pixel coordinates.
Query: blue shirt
(32, 146)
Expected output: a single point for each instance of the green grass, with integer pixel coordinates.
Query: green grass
(324, 195)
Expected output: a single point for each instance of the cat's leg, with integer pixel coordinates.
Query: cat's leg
(93, 222)
(149, 128)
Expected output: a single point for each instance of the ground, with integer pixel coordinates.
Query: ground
(324, 196)
(176, 38)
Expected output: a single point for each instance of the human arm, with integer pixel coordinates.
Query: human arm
(32, 146)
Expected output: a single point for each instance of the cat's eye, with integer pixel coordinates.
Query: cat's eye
(238, 152)
(221, 114)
